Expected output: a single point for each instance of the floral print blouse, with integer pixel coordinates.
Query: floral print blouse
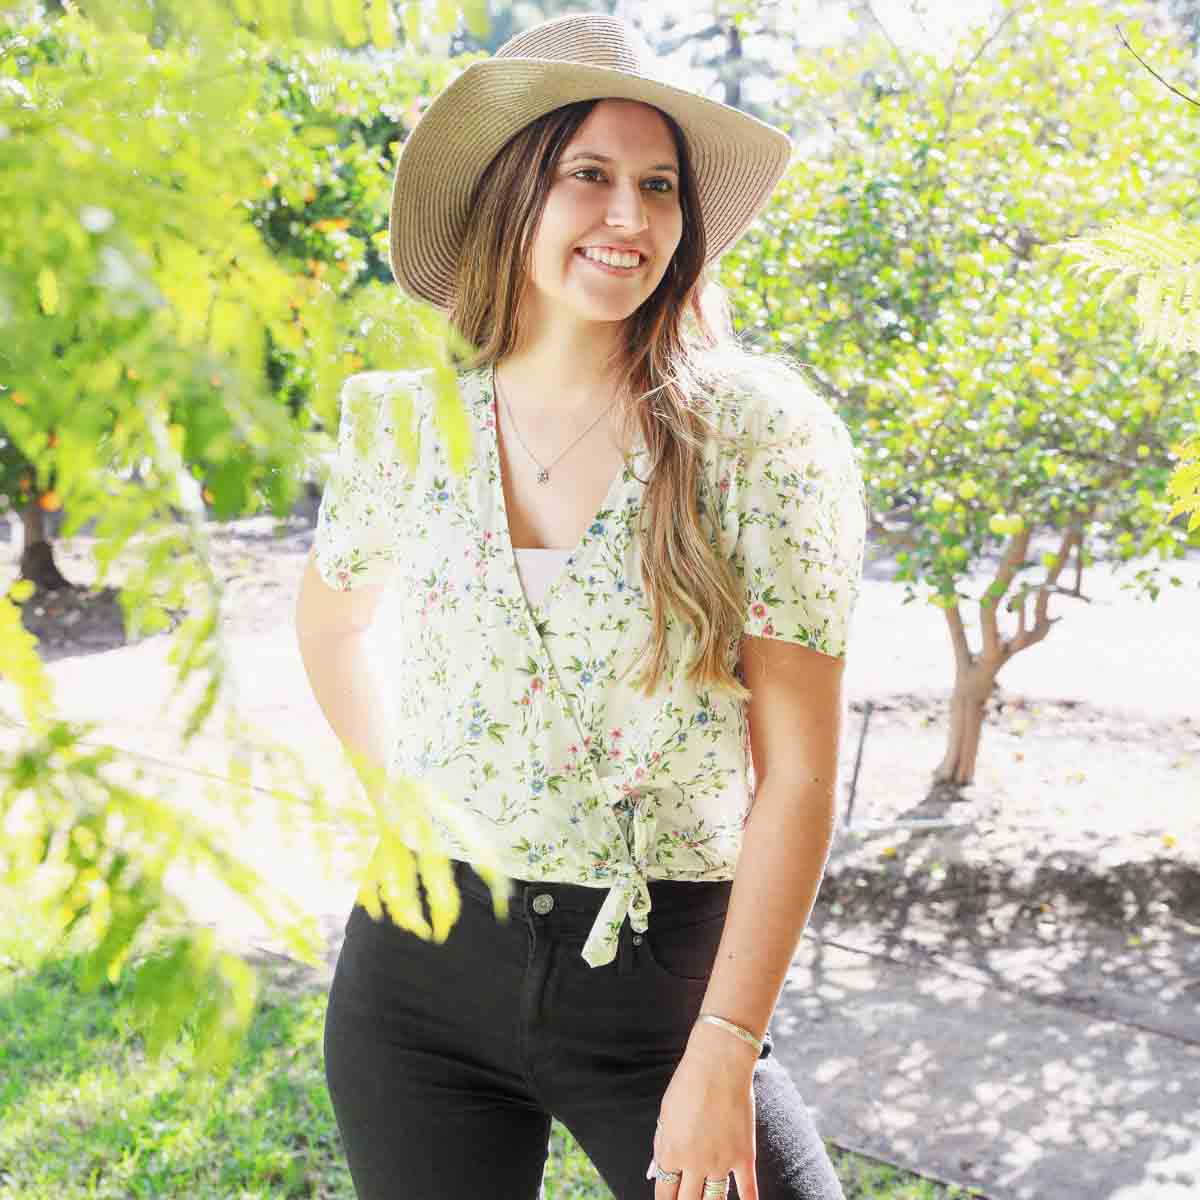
(512, 714)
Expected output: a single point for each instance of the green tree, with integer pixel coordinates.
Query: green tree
(1011, 428)
(1163, 259)
(189, 267)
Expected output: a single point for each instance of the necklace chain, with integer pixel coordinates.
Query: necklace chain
(543, 472)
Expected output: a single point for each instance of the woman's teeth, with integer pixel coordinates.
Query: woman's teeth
(612, 259)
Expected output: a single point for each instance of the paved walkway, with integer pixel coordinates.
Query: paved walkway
(974, 1071)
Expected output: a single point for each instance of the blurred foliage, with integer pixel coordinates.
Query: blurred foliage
(190, 265)
(1163, 258)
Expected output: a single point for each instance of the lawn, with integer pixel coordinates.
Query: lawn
(85, 1113)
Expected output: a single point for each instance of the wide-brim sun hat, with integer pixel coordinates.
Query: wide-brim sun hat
(736, 159)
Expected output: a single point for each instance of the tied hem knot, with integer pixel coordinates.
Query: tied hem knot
(628, 896)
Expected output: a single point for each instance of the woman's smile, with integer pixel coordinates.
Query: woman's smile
(610, 269)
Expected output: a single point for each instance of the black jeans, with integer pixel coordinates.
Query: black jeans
(445, 1063)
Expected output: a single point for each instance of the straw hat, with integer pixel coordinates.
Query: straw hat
(736, 159)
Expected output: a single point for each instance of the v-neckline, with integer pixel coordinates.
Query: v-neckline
(611, 497)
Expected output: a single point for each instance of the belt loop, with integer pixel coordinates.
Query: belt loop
(625, 949)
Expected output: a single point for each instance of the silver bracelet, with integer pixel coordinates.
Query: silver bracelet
(736, 1030)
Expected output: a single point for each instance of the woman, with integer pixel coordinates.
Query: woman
(637, 486)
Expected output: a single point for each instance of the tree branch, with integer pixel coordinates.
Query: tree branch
(1014, 556)
(958, 637)
(959, 77)
(1153, 72)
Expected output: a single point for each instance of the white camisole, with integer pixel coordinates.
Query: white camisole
(538, 569)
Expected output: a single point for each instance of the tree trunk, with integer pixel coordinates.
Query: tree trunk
(733, 79)
(974, 683)
(975, 672)
(37, 555)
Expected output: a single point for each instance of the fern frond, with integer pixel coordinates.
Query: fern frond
(1163, 258)
(1184, 485)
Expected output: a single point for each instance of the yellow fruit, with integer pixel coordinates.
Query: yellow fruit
(943, 502)
(968, 489)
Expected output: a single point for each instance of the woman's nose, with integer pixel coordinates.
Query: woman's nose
(626, 208)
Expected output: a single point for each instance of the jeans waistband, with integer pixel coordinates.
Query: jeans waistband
(674, 902)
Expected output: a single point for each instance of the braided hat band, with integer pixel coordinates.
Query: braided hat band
(736, 159)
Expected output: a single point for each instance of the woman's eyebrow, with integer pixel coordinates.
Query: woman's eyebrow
(605, 158)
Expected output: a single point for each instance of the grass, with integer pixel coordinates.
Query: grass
(85, 1113)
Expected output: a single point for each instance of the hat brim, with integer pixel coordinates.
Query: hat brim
(736, 159)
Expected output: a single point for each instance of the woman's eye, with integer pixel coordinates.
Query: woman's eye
(596, 171)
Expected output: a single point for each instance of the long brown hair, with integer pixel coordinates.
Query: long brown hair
(668, 369)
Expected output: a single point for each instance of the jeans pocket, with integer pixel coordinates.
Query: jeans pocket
(685, 952)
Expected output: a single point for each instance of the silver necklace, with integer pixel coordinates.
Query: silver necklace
(543, 472)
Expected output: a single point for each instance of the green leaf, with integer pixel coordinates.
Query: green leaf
(477, 19)
(348, 17)
(412, 24)
(47, 287)
(379, 21)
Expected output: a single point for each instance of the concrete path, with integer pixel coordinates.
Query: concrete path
(973, 1071)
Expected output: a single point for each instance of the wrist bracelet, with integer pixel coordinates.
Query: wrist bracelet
(736, 1030)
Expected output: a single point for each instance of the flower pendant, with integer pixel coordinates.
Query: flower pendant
(543, 476)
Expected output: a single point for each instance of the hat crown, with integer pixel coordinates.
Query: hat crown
(590, 39)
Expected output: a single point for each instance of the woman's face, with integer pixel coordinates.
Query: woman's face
(615, 186)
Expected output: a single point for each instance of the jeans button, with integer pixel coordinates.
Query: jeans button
(637, 939)
(543, 903)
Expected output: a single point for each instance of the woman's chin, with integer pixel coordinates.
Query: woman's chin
(608, 313)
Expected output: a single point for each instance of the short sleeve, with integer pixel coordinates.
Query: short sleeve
(355, 541)
(801, 512)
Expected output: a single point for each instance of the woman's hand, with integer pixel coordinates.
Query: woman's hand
(706, 1120)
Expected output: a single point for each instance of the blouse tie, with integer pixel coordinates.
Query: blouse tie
(629, 894)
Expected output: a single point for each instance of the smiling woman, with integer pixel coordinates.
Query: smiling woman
(587, 211)
(562, 202)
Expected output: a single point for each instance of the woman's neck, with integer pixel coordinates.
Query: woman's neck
(560, 377)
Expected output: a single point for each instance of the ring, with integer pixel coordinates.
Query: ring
(668, 1176)
(715, 1187)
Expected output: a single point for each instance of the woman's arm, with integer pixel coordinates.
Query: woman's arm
(795, 716)
(331, 628)
(707, 1113)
